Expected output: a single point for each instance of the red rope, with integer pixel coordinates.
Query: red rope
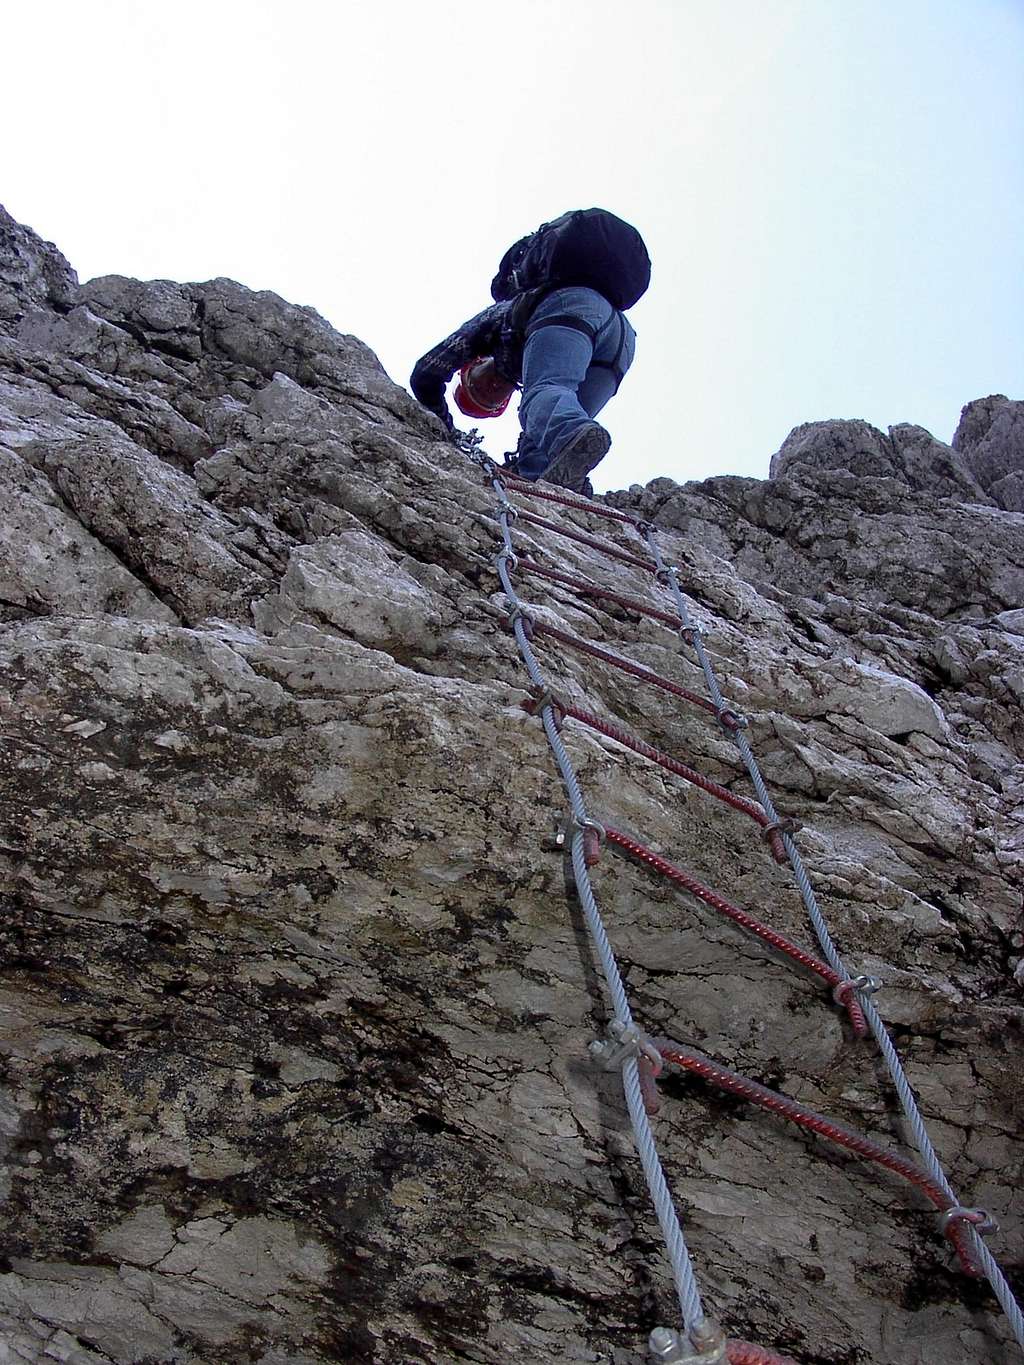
(689, 1059)
(672, 765)
(585, 589)
(738, 916)
(604, 546)
(626, 665)
(595, 509)
(744, 1353)
(955, 1227)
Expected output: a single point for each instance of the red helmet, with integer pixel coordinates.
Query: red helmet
(482, 391)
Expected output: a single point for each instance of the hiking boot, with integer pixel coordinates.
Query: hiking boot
(512, 467)
(513, 459)
(581, 453)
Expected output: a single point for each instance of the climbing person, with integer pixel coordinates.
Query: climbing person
(557, 330)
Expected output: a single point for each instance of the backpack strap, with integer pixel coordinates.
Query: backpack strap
(574, 323)
(615, 365)
(522, 309)
(511, 338)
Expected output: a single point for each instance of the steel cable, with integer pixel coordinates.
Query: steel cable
(690, 1059)
(894, 1066)
(733, 724)
(741, 917)
(673, 765)
(683, 1275)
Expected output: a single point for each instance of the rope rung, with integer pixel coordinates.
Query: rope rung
(592, 542)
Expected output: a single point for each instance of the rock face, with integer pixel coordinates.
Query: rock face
(991, 438)
(908, 454)
(984, 464)
(33, 273)
(295, 1000)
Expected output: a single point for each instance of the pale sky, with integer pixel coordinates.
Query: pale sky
(832, 191)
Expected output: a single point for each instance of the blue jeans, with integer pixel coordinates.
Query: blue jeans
(578, 347)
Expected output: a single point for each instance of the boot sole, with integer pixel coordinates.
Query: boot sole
(572, 465)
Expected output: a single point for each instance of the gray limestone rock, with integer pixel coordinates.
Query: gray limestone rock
(908, 454)
(831, 536)
(33, 273)
(991, 438)
(294, 1000)
(930, 466)
(853, 445)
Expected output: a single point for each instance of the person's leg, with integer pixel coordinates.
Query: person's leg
(526, 460)
(613, 355)
(561, 339)
(578, 441)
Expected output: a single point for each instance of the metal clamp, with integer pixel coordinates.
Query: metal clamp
(593, 837)
(510, 560)
(704, 1345)
(665, 575)
(787, 824)
(538, 699)
(980, 1219)
(863, 985)
(509, 512)
(645, 528)
(470, 443)
(731, 720)
(624, 1041)
(518, 613)
(570, 826)
(691, 634)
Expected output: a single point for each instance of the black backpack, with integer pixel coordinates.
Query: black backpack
(586, 247)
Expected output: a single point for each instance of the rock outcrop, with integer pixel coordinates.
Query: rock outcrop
(909, 455)
(295, 999)
(991, 439)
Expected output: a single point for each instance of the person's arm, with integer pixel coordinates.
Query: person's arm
(434, 370)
